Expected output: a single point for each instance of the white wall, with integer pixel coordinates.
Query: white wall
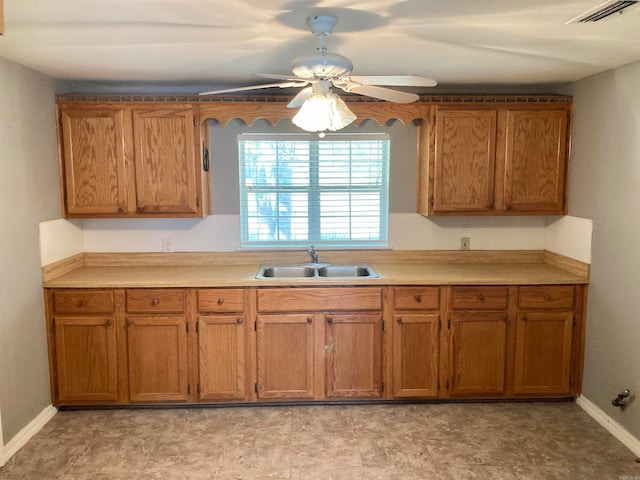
(568, 236)
(605, 186)
(29, 194)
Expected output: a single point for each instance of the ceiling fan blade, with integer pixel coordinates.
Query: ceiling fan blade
(383, 93)
(394, 80)
(300, 98)
(256, 87)
(274, 76)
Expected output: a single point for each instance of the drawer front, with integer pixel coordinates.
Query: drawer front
(68, 302)
(154, 300)
(416, 298)
(220, 300)
(480, 298)
(319, 299)
(547, 297)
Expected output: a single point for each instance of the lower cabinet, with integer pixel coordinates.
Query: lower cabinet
(353, 361)
(285, 356)
(187, 345)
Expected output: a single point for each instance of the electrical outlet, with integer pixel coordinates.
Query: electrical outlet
(465, 243)
(167, 245)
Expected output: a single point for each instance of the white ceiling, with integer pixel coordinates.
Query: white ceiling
(220, 43)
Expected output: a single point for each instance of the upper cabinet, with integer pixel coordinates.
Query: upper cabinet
(507, 159)
(131, 161)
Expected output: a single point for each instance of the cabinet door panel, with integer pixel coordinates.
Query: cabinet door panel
(465, 156)
(478, 353)
(165, 160)
(86, 363)
(157, 348)
(536, 161)
(94, 160)
(543, 353)
(354, 355)
(415, 355)
(285, 356)
(221, 357)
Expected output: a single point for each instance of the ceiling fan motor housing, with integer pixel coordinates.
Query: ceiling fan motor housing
(329, 65)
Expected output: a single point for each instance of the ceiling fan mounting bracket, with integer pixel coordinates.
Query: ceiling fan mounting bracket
(321, 24)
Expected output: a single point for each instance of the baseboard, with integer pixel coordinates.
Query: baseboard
(614, 428)
(24, 435)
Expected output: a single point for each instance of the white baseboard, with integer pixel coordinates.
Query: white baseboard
(614, 428)
(24, 435)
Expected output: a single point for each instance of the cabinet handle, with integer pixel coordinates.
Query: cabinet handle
(155, 302)
(220, 301)
(330, 320)
(239, 320)
(82, 303)
(418, 298)
(309, 320)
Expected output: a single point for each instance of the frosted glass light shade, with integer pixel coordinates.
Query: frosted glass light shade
(321, 112)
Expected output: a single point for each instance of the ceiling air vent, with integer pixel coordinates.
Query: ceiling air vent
(603, 11)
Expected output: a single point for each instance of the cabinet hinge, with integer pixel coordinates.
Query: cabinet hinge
(188, 389)
(446, 385)
(432, 200)
(434, 119)
(382, 387)
(383, 325)
(198, 388)
(197, 200)
(255, 326)
(198, 327)
(194, 121)
(438, 387)
(255, 387)
(187, 325)
(60, 119)
(449, 324)
(439, 325)
(53, 326)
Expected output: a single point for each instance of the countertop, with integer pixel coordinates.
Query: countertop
(499, 272)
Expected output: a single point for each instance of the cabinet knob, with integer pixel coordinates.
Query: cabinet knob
(481, 297)
(330, 320)
(418, 298)
(155, 302)
(399, 320)
(82, 303)
(309, 320)
(120, 210)
(129, 322)
(547, 297)
(239, 320)
(108, 323)
(220, 301)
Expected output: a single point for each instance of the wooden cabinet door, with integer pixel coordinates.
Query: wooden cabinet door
(165, 160)
(353, 362)
(285, 355)
(221, 353)
(415, 355)
(536, 161)
(477, 353)
(157, 348)
(86, 359)
(543, 353)
(93, 150)
(465, 156)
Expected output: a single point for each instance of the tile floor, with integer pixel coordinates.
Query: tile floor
(437, 441)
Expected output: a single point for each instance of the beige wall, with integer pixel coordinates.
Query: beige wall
(29, 194)
(605, 186)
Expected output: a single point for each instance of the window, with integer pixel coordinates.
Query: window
(297, 190)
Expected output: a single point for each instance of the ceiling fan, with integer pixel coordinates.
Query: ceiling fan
(320, 71)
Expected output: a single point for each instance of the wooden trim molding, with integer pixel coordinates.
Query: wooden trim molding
(567, 264)
(61, 267)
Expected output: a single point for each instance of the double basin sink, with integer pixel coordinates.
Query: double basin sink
(317, 270)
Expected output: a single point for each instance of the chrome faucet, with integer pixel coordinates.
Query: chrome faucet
(313, 254)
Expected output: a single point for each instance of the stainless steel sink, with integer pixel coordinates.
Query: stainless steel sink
(355, 270)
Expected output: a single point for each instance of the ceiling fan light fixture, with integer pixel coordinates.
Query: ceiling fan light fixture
(321, 112)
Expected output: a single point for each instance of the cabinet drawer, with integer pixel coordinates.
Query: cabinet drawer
(156, 300)
(416, 298)
(547, 297)
(480, 298)
(83, 301)
(220, 300)
(319, 299)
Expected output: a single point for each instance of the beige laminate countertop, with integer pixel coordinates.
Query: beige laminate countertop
(244, 276)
